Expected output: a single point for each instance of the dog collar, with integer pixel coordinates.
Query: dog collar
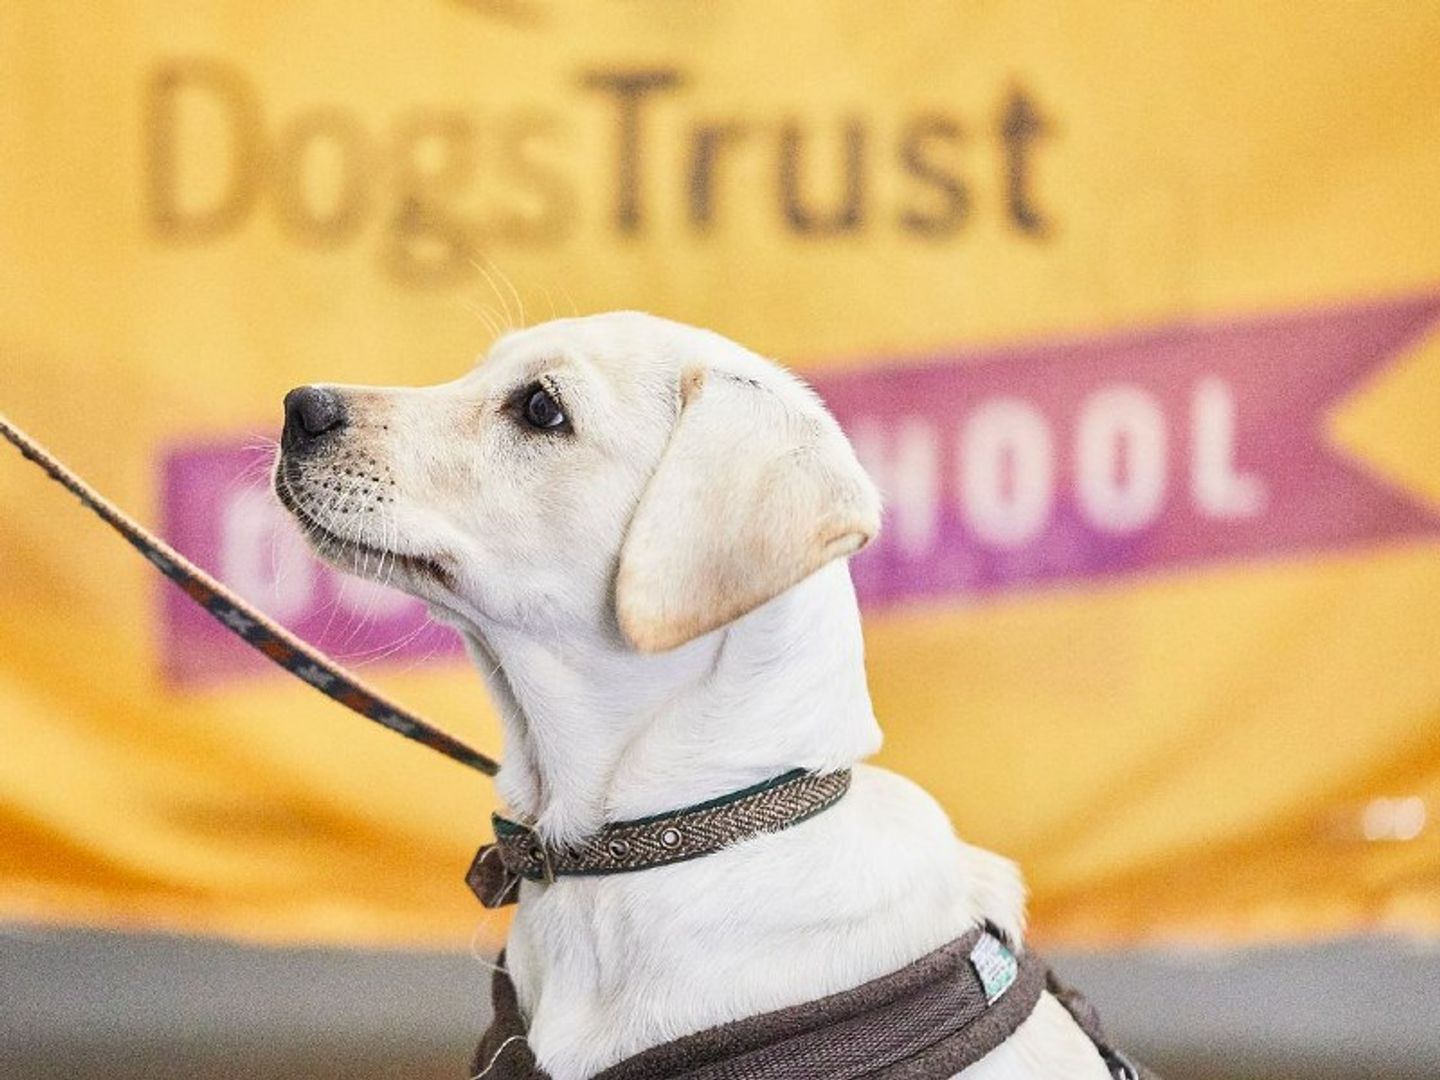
(520, 852)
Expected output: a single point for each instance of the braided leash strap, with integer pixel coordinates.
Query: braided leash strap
(246, 623)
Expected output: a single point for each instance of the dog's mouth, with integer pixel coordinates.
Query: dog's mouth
(355, 556)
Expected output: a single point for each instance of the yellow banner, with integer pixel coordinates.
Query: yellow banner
(1130, 309)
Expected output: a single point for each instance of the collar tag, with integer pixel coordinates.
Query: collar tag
(995, 965)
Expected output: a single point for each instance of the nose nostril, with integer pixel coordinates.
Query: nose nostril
(311, 412)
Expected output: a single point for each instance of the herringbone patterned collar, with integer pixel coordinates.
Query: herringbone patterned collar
(519, 852)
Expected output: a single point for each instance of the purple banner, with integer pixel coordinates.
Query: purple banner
(1145, 452)
(217, 508)
(1006, 469)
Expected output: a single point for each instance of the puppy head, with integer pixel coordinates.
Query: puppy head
(611, 473)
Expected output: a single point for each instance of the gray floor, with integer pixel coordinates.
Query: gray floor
(119, 1007)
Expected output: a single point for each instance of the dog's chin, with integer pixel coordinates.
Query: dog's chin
(418, 574)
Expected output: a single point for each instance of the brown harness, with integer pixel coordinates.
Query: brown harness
(928, 1021)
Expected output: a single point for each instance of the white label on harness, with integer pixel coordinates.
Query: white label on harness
(996, 966)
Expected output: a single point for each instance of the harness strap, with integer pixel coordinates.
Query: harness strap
(249, 625)
(1088, 1021)
(930, 1020)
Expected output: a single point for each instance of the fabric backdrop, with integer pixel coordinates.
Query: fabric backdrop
(1130, 309)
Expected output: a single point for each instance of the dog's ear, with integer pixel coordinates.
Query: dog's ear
(757, 490)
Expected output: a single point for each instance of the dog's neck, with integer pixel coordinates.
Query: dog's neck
(596, 732)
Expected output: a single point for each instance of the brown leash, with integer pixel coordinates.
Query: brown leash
(249, 625)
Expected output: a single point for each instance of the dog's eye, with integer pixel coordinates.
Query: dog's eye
(541, 410)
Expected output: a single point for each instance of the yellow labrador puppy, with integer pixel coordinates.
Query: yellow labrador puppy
(640, 530)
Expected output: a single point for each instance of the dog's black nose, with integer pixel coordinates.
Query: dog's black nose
(311, 413)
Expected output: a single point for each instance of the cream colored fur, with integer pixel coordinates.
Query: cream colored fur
(752, 494)
(658, 601)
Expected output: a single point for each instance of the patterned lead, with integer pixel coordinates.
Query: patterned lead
(251, 627)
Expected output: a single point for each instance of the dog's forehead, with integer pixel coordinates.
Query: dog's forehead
(627, 350)
(615, 344)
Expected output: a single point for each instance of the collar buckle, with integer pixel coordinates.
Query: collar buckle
(523, 849)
